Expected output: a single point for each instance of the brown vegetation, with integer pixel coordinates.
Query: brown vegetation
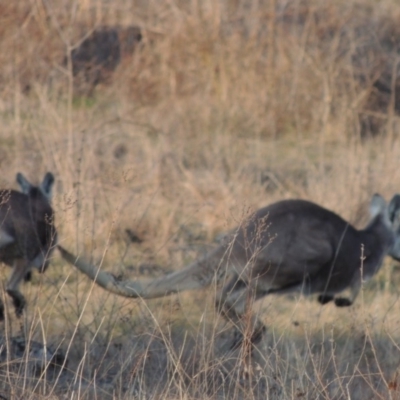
(224, 108)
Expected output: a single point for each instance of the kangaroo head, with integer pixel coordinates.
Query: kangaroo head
(45, 188)
(390, 214)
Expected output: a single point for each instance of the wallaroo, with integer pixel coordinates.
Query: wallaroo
(27, 233)
(289, 246)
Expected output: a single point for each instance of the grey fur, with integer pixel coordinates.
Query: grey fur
(27, 233)
(288, 246)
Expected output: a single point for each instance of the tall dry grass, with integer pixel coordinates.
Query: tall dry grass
(226, 107)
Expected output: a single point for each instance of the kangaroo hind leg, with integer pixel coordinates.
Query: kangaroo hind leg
(17, 276)
(234, 303)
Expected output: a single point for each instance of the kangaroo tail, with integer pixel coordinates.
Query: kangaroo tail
(195, 276)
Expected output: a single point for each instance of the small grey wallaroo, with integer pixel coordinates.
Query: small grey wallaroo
(289, 246)
(27, 233)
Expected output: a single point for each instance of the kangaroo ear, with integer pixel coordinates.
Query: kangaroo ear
(394, 208)
(377, 205)
(24, 183)
(47, 185)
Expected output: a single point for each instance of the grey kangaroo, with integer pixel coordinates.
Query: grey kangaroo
(289, 246)
(27, 233)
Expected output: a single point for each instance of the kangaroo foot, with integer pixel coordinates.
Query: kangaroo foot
(324, 298)
(343, 302)
(18, 301)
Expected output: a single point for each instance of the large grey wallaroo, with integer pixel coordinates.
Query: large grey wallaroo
(27, 233)
(289, 246)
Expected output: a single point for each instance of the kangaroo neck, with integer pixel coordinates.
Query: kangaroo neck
(377, 239)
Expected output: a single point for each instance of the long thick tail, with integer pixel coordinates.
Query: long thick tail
(195, 276)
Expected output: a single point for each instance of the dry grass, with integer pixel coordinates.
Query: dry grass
(226, 107)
